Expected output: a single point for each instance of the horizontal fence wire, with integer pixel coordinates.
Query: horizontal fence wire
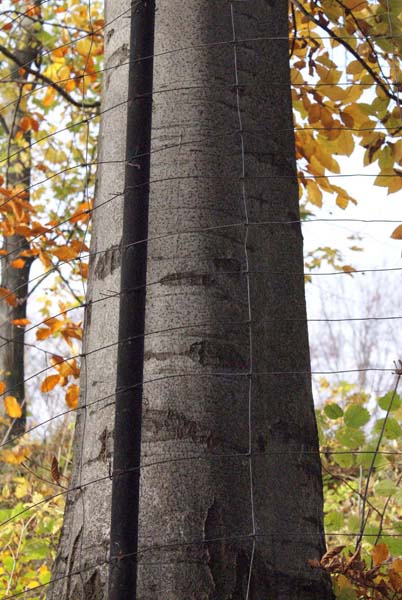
(178, 545)
(386, 85)
(164, 461)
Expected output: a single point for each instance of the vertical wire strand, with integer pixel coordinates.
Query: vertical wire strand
(247, 275)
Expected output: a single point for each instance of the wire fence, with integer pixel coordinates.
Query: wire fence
(239, 371)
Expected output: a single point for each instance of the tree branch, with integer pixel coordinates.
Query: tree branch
(47, 80)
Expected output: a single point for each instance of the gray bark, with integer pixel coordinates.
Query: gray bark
(85, 536)
(215, 411)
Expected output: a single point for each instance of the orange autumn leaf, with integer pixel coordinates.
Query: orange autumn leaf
(8, 296)
(380, 553)
(23, 230)
(82, 212)
(49, 97)
(53, 324)
(45, 259)
(395, 580)
(348, 269)
(79, 246)
(72, 395)
(66, 368)
(38, 228)
(397, 565)
(84, 270)
(49, 383)
(7, 228)
(20, 323)
(72, 331)
(55, 471)
(42, 333)
(13, 409)
(65, 252)
(25, 123)
(18, 263)
(2, 387)
(30, 252)
(397, 233)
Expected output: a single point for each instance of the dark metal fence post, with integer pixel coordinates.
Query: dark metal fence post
(127, 436)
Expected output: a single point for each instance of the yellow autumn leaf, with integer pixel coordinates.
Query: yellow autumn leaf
(342, 201)
(344, 143)
(13, 409)
(85, 46)
(22, 489)
(395, 184)
(343, 582)
(327, 160)
(14, 457)
(49, 383)
(72, 395)
(355, 67)
(63, 73)
(314, 193)
(380, 553)
(348, 269)
(333, 92)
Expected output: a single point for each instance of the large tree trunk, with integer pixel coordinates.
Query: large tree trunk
(212, 489)
(231, 499)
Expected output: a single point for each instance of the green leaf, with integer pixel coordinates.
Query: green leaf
(36, 550)
(333, 411)
(385, 401)
(365, 458)
(354, 523)
(356, 416)
(392, 430)
(394, 544)
(345, 593)
(334, 521)
(386, 487)
(351, 438)
(344, 460)
(8, 563)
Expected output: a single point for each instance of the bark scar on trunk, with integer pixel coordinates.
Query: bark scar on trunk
(228, 568)
(71, 561)
(107, 262)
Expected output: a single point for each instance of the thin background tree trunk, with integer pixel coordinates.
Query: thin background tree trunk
(18, 173)
(196, 520)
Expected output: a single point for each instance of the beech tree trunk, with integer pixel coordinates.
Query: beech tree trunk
(231, 497)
